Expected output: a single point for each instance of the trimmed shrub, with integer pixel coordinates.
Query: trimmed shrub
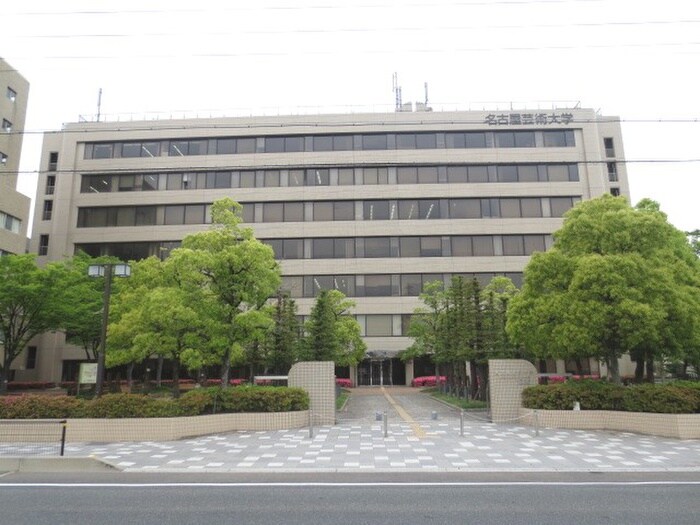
(245, 399)
(130, 405)
(193, 403)
(664, 399)
(343, 382)
(600, 395)
(427, 381)
(40, 407)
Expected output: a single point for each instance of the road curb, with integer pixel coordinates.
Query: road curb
(55, 464)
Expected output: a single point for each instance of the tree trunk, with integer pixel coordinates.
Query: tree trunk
(226, 370)
(579, 366)
(474, 384)
(650, 369)
(130, 376)
(613, 369)
(482, 371)
(639, 370)
(3, 380)
(159, 371)
(176, 377)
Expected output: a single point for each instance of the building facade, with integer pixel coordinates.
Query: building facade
(14, 206)
(375, 205)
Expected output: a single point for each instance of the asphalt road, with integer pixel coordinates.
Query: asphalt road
(361, 499)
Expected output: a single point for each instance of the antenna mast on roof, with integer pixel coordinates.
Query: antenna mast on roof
(99, 104)
(397, 92)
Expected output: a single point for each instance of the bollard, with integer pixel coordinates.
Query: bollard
(386, 424)
(536, 422)
(461, 423)
(378, 416)
(311, 423)
(63, 436)
(434, 415)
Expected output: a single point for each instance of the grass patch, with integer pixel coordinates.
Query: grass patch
(466, 404)
(342, 399)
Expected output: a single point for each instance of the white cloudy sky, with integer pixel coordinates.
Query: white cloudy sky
(638, 59)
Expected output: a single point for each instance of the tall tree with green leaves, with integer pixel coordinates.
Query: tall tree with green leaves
(283, 339)
(618, 279)
(240, 272)
(29, 298)
(332, 334)
(80, 309)
(160, 312)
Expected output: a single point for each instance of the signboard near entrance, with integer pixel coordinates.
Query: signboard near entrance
(87, 374)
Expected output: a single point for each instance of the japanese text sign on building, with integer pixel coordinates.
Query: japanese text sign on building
(527, 119)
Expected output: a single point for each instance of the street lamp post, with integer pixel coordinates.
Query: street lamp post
(107, 271)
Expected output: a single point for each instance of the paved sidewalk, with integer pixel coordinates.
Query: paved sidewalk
(415, 442)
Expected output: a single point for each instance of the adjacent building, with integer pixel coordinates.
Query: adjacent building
(14, 206)
(375, 205)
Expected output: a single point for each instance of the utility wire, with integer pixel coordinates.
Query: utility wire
(267, 125)
(198, 168)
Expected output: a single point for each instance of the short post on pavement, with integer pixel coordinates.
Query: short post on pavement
(63, 436)
(386, 424)
(106, 270)
(536, 422)
(311, 423)
(461, 423)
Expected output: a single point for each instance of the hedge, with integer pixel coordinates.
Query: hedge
(196, 402)
(670, 398)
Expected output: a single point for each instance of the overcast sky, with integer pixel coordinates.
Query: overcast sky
(637, 59)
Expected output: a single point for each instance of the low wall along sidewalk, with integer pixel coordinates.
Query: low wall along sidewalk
(162, 428)
(679, 426)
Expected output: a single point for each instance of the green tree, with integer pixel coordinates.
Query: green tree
(332, 334)
(29, 297)
(460, 325)
(161, 311)
(240, 272)
(80, 307)
(284, 337)
(618, 279)
(694, 240)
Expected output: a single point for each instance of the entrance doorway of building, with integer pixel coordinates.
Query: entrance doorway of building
(381, 372)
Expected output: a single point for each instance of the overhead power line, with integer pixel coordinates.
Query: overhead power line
(321, 125)
(364, 29)
(191, 168)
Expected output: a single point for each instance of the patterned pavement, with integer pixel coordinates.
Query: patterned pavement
(415, 442)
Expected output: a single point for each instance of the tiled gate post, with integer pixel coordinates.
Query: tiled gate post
(507, 379)
(318, 379)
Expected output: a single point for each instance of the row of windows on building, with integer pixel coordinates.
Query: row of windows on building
(480, 173)
(340, 142)
(369, 210)
(11, 95)
(379, 285)
(427, 246)
(10, 222)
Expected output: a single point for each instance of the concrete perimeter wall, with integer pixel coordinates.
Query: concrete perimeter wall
(318, 379)
(679, 426)
(150, 429)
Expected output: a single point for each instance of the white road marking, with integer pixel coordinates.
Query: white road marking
(361, 484)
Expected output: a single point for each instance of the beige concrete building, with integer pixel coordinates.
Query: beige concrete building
(14, 206)
(375, 205)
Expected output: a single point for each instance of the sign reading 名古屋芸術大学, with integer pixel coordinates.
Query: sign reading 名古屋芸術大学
(526, 119)
(88, 373)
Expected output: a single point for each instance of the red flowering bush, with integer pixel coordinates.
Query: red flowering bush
(343, 382)
(427, 381)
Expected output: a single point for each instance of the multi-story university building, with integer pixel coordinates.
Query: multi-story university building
(14, 207)
(375, 205)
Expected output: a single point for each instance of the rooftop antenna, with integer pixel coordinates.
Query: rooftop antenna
(425, 85)
(99, 104)
(397, 91)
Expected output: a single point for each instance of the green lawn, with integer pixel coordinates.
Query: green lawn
(466, 404)
(341, 399)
